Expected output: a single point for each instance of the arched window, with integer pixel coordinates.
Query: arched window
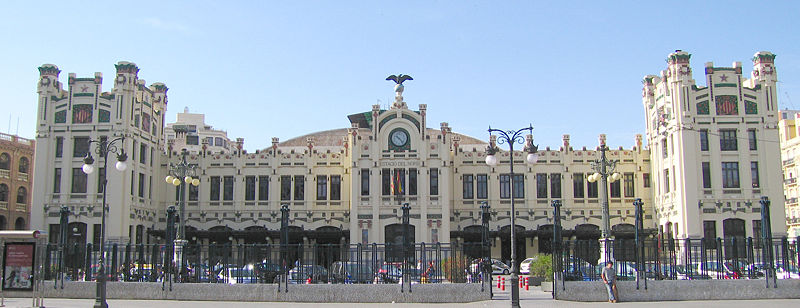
(5, 161)
(19, 224)
(23, 165)
(3, 192)
(22, 195)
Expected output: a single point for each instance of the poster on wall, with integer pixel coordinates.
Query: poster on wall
(18, 266)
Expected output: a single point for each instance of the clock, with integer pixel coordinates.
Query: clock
(399, 138)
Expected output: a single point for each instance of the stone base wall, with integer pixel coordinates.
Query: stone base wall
(679, 290)
(315, 293)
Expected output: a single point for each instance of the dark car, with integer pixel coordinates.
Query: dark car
(267, 272)
(351, 272)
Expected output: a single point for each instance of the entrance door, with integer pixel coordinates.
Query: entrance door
(394, 243)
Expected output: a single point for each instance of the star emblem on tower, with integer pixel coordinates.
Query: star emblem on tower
(723, 78)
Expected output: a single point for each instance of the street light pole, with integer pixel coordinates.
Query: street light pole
(512, 137)
(486, 249)
(104, 147)
(604, 169)
(180, 174)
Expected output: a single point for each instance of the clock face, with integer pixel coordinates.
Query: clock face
(399, 138)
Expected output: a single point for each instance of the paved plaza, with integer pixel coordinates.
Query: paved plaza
(532, 298)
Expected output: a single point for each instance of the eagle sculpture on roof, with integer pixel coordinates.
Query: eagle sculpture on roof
(399, 78)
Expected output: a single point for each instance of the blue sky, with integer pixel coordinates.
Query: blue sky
(260, 69)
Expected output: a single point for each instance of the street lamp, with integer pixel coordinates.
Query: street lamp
(180, 174)
(512, 137)
(604, 170)
(486, 249)
(104, 147)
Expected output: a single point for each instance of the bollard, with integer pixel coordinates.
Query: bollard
(527, 285)
(498, 282)
(503, 284)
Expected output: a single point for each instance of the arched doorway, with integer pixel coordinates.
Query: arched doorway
(733, 231)
(219, 248)
(328, 248)
(472, 241)
(545, 233)
(624, 243)
(394, 242)
(19, 224)
(76, 245)
(3, 222)
(587, 246)
(505, 241)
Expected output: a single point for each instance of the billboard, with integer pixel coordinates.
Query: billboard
(18, 266)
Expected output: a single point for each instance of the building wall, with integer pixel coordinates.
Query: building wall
(16, 181)
(678, 112)
(82, 110)
(790, 148)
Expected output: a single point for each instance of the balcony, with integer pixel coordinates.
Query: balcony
(791, 201)
(790, 181)
(5, 173)
(788, 162)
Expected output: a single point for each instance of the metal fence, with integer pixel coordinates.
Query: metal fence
(265, 263)
(681, 259)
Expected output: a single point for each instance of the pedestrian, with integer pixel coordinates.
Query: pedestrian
(609, 277)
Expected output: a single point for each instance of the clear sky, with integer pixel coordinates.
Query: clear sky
(260, 69)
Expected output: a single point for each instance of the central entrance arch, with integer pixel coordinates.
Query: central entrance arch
(394, 242)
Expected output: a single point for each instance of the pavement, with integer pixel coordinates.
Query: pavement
(533, 298)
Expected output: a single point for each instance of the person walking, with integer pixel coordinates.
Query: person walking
(609, 277)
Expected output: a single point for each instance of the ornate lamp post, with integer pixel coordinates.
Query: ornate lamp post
(180, 174)
(284, 245)
(604, 169)
(104, 147)
(486, 253)
(512, 137)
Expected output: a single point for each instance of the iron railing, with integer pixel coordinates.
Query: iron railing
(267, 263)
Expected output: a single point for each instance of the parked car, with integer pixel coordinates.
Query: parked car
(351, 272)
(266, 271)
(389, 273)
(525, 266)
(500, 268)
(301, 274)
(238, 276)
(718, 270)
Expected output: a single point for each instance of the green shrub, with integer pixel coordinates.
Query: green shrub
(542, 266)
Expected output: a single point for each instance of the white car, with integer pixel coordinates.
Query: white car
(525, 266)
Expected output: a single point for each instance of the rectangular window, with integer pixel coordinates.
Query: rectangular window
(630, 188)
(730, 175)
(192, 140)
(386, 182)
(555, 185)
(709, 233)
(214, 193)
(666, 180)
(133, 152)
(299, 187)
(727, 140)
(143, 154)
(78, 181)
(541, 185)
(434, 235)
(80, 147)
(505, 186)
(336, 187)
(133, 181)
(59, 146)
(519, 186)
(227, 192)
(754, 174)
(286, 187)
(434, 181)
(249, 188)
(101, 176)
(706, 174)
(57, 181)
(365, 182)
(412, 182)
(364, 236)
(646, 179)
(400, 181)
(664, 150)
(577, 185)
(614, 189)
(751, 137)
(322, 187)
(263, 187)
(141, 185)
(703, 140)
(757, 230)
(591, 189)
(483, 187)
(469, 188)
(194, 192)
